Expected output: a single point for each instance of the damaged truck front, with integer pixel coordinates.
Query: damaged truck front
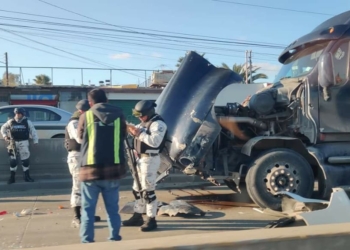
(282, 138)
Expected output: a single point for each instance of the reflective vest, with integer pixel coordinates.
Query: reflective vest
(101, 144)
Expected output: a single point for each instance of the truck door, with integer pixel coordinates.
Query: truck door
(334, 100)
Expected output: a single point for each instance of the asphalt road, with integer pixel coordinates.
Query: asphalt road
(49, 224)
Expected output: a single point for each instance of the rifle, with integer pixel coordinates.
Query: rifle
(12, 147)
(132, 164)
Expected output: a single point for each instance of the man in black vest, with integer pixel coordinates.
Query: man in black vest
(73, 148)
(19, 129)
(149, 140)
(101, 132)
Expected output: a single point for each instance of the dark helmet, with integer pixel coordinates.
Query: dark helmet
(19, 111)
(143, 108)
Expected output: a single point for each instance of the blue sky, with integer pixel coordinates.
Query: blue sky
(198, 17)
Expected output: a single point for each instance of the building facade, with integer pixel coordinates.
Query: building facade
(66, 97)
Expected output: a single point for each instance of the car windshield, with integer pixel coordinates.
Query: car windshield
(301, 63)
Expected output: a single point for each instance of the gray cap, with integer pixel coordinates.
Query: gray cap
(83, 105)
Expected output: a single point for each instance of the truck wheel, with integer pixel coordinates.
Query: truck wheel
(278, 170)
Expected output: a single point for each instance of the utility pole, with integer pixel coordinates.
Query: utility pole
(7, 69)
(246, 66)
(250, 67)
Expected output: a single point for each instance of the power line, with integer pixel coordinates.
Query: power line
(122, 41)
(86, 38)
(28, 46)
(99, 21)
(228, 42)
(1, 61)
(274, 8)
(130, 30)
(121, 26)
(96, 62)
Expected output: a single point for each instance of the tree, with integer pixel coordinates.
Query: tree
(241, 70)
(14, 79)
(181, 58)
(42, 80)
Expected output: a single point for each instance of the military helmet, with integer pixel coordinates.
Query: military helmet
(143, 108)
(19, 111)
(83, 105)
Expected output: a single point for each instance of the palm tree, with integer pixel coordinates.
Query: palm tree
(241, 70)
(181, 58)
(42, 80)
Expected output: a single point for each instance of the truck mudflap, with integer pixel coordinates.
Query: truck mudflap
(186, 106)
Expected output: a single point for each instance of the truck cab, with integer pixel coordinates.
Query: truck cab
(282, 138)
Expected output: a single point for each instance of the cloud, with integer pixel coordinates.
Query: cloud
(120, 56)
(155, 54)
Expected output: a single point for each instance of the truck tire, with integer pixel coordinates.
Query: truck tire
(278, 170)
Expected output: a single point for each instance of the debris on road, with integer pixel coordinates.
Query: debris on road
(281, 222)
(180, 207)
(128, 208)
(318, 212)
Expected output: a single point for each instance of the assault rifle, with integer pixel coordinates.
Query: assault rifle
(132, 164)
(12, 149)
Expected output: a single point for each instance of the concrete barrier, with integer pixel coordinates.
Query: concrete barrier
(49, 169)
(335, 237)
(48, 160)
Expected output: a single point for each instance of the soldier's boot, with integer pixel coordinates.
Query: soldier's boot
(27, 177)
(135, 221)
(76, 220)
(150, 224)
(12, 178)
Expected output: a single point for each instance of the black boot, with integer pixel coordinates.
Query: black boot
(77, 215)
(12, 178)
(149, 225)
(135, 221)
(27, 177)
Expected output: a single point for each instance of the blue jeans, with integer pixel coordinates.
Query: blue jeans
(89, 195)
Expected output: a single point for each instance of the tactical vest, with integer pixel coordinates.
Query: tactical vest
(71, 144)
(142, 147)
(19, 130)
(102, 144)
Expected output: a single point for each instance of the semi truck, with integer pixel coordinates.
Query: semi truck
(284, 137)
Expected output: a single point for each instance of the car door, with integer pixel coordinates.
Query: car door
(334, 101)
(45, 121)
(5, 115)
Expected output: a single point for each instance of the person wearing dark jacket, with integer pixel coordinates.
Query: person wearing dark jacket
(101, 133)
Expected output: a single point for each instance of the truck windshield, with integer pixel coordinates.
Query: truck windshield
(301, 63)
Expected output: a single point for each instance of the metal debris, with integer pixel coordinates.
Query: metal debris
(180, 207)
(334, 211)
(128, 208)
